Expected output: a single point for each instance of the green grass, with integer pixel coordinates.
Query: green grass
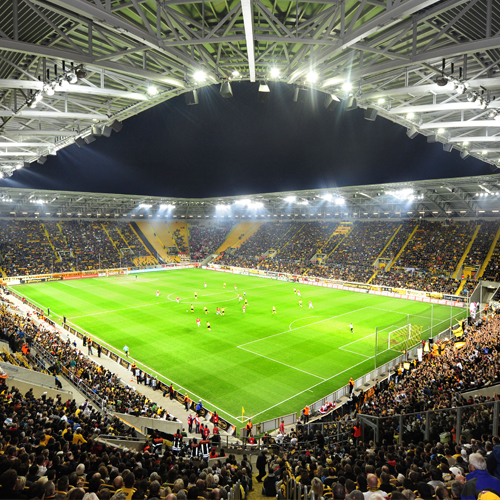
(269, 364)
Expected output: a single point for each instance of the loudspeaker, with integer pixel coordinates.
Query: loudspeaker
(331, 102)
(191, 97)
(412, 133)
(96, 131)
(431, 139)
(26, 164)
(351, 104)
(117, 126)
(79, 142)
(447, 147)
(90, 138)
(371, 114)
(42, 160)
(106, 131)
(225, 90)
(464, 154)
(299, 95)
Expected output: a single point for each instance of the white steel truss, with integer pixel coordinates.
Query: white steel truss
(433, 66)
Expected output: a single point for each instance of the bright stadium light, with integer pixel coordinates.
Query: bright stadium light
(402, 194)
(200, 76)
(145, 205)
(290, 199)
(312, 77)
(327, 197)
(242, 202)
(166, 206)
(275, 73)
(303, 202)
(339, 201)
(256, 204)
(347, 86)
(152, 90)
(220, 206)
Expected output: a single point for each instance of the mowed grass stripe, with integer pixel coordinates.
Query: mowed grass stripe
(163, 336)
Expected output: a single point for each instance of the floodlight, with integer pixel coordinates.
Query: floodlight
(381, 101)
(63, 84)
(327, 197)
(199, 76)
(441, 131)
(448, 147)
(72, 78)
(275, 73)
(20, 165)
(464, 154)
(49, 90)
(145, 205)
(236, 73)
(225, 90)
(410, 116)
(484, 152)
(89, 139)
(79, 142)
(220, 207)
(347, 86)
(1, 175)
(290, 199)
(96, 131)
(351, 103)
(339, 201)
(152, 90)
(312, 77)
(465, 143)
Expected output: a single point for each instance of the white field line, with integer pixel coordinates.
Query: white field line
(151, 370)
(354, 352)
(284, 364)
(312, 387)
(299, 327)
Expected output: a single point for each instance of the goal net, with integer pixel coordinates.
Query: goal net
(402, 338)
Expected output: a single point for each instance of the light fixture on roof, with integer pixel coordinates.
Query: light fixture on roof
(347, 86)
(152, 90)
(441, 131)
(380, 101)
(199, 76)
(312, 77)
(290, 199)
(274, 72)
(410, 115)
(235, 73)
(146, 206)
(331, 102)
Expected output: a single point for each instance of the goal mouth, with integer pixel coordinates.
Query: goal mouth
(404, 338)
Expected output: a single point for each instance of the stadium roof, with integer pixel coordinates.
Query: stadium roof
(67, 65)
(444, 198)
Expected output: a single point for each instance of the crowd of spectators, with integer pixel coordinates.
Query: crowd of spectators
(437, 247)
(482, 243)
(25, 249)
(308, 241)
(204, 241)
(416, 280)
(181, 243)
(364, 243)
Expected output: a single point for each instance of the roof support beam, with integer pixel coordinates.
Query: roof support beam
(60, 115)
(248, 17)
(390, 17)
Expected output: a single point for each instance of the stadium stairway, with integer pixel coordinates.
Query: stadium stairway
(47, 235)
(346, 234)
(110, 239)
(150, 235)
(253, 229)
(164, 233)
(334, 232)
(182, 227)
(142, 238)
(490, 253)
(386, 247)
(235, 236)
(466, 252)
(402, 248)
(461, 287)
(292, 236)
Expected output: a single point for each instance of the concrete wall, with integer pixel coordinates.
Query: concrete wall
(142, 423)
(38, 390)
(28, 375)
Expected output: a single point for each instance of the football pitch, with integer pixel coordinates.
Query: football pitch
(268, 364)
